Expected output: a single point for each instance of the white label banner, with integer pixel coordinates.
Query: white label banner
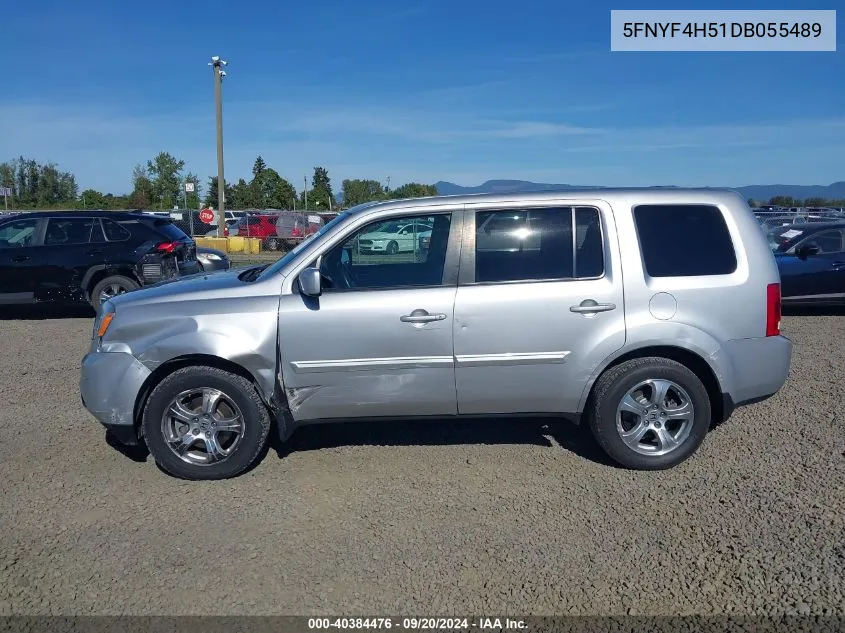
(736, 31)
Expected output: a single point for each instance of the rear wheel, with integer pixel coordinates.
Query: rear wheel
(205, 423)
(111, 287)
(650, 413)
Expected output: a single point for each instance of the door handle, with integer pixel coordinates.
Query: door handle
(589, 306)
(20, 258)
(421, 316)
(838, 265)
(95, 251)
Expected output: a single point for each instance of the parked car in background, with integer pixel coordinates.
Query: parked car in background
(395, 237)
(811, 261)
(88, 256)
(259, 225)
(292, 228)
(647, 340)
(211, 259)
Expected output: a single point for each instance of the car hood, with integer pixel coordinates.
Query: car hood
(222, 284)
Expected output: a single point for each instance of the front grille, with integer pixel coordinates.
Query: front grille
(365, 243)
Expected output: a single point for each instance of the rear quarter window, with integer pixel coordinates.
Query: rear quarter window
(684, 240)
(169, 230)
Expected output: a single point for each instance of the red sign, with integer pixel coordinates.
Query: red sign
(207, 216)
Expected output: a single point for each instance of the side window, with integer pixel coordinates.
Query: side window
(827, 241)
(538, 245)
(684, 240)
(115, 232)
(17, 234)
(68, 231)
(390, 254)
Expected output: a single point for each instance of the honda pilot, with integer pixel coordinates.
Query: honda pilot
(646, 314)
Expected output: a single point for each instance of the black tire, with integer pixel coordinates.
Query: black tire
(240, 390)
(614, 384)
(272, 243)
(392, 248)
(125, 284)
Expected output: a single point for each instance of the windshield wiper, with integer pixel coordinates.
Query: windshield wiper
(251, 274)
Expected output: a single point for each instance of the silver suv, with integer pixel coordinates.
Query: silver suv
(648, 314)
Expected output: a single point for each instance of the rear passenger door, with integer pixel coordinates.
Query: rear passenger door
(539, 305)
(66, 255)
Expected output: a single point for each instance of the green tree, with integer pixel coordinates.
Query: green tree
(816, 202)
(360, 191)
(258, 167)
(193, 198)
(783, 201)
(320, 196)
(92, 199)
(271, 191)
(142, 189)
(211, 196)
(242, 196)
(165, 176)
(414, 190)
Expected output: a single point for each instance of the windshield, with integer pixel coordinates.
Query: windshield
(782, 238)
(272, 270)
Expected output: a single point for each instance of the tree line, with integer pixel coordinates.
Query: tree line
(159, 184)
(789, 201)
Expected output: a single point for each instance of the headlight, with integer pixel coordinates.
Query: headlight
(211, 256)
(378, 242)
(103, 320)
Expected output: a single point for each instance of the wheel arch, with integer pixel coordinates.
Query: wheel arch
(95, 274)
(695, 362)
(189, 360)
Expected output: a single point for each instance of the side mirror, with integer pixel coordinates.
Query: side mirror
(807, 250)
(310, 283)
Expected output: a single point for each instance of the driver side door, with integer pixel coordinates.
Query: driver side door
(377, 342)
(19, 245)
(819, 277)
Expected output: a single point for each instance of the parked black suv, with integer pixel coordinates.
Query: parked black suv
(72, 257)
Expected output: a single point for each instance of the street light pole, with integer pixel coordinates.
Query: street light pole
(217, 64)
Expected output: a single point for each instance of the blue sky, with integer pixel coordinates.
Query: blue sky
(463, 91)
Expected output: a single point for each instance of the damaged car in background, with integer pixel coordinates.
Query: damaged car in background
(89, 256)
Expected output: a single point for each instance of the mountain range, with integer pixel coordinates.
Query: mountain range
(834, 191)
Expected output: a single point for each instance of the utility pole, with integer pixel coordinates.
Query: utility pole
(305, 180)
(217, 64)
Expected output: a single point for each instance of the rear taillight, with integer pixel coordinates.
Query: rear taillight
(167, 247)
(773, 310)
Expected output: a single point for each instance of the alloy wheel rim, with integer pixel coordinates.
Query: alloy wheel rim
(655, 417)
(202, 426)
(111, 291)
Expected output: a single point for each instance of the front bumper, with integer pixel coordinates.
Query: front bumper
(109, 384)
(213, 265)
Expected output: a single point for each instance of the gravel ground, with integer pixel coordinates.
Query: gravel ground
(444, 519)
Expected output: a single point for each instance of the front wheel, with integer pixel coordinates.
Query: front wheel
(650, 413)
(205, 423)
(392, 248)
(272, 243)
